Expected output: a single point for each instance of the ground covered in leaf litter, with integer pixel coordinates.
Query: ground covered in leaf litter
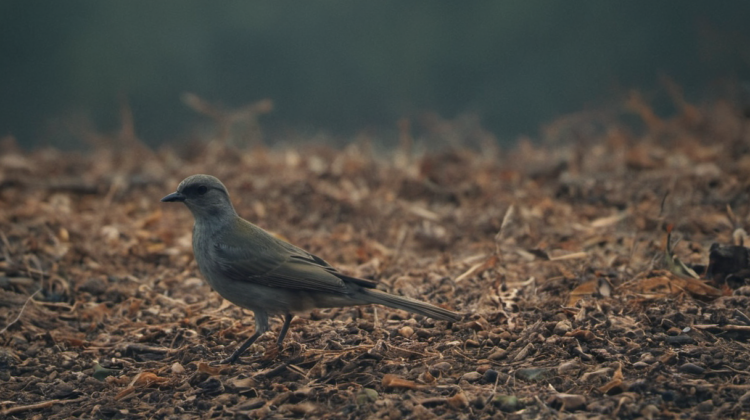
(554, 253)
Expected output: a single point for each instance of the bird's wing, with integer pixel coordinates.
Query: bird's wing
(303, 255)
(273, 263)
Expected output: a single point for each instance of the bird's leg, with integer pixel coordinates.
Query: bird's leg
(261, 326)
(284, 329)
(237, 353)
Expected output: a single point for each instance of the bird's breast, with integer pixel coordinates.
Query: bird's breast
(246, 294)
(202, 250)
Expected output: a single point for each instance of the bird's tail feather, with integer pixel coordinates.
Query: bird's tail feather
(408, 304)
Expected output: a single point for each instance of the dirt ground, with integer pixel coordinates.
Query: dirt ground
(554, 253)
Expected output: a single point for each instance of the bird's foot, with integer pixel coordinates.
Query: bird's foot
(234, 358)
(229, 360)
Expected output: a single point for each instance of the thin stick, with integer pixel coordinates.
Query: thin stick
(20, 312)
(37, 406)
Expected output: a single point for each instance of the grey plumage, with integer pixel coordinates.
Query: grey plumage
(255, 270)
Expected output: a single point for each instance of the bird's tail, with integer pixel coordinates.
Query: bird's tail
(408, 304)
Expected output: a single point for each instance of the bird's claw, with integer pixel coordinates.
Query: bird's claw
(234, 358)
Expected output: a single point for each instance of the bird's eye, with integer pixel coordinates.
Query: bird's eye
(201, 190)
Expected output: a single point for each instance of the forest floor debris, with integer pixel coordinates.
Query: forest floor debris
(555, 254)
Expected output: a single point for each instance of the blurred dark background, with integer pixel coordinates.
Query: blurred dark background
(345, 66)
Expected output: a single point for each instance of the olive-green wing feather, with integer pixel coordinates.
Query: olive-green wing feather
(248, 253)
(303, 255)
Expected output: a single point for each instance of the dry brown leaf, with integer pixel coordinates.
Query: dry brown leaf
(427, 377)
(458, 401)
(571, 256)
(393, 381)
(95, 313)
(568, 402)
(616, 385)
(146, 379)
(206, 368)
(665, 283)
(478, 268)
(582, 291)
(585, 335)
(608, 220)
(124, 393)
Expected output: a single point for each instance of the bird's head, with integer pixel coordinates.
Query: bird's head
(205, 196)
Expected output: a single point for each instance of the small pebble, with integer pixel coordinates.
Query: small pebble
(650, 411)
(442, 367)
(406, 331)
(647, 358)
(497, 354)
(568, 402)
(191, 283)
(424, 333)
(490, 375)
(471, 376)
(472, 343)
(692, 369)
(680, 340)
(674, 331)
(62, 390)
(532, 374)
(706, 406)
(567, 367)
(177, 368)
(507, 403)
(562, 327)
(367, 395)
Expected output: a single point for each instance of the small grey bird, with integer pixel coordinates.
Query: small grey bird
(255, 270)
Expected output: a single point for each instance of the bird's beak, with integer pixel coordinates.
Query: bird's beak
(175, 196)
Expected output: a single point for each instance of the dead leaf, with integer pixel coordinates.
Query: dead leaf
(206, 368)
(568, 402)
(616, 385)
(393, 381)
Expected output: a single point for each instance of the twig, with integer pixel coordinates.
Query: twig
(741, 316)
(298, 370)
(21, 311)
(423, 213)
(417, 353)
(730, 327)
(663, 203)
(37, 406)
(6, 247)
(144, 348)
(572, 256)
(272, 372)
(501, 233)
(471, 271)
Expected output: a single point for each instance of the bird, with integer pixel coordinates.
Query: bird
(255, 270)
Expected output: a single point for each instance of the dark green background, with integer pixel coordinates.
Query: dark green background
(343, 66)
